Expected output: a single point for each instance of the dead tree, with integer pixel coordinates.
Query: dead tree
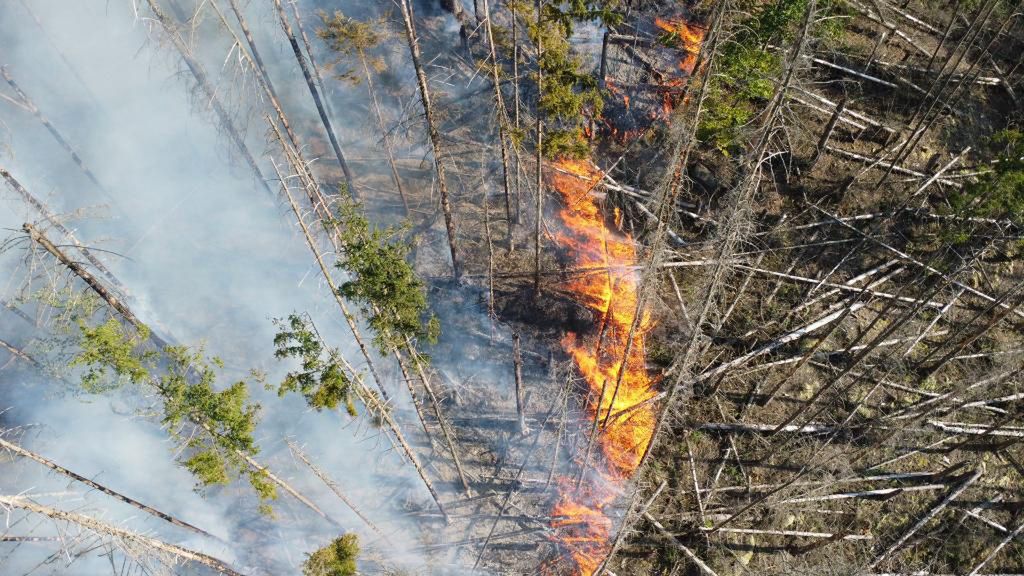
(97, 486)
(408, 19)
(177, 553)
(539, 212)
(317, 99)
(56, 223)
(366, 395)
(334, 488)
(503, 128)
(57, 135)
(209, 93)
(320, 204)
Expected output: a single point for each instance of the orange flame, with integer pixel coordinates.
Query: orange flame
(626, 416)
(612, 361)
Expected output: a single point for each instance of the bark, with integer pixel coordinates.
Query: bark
(435, 135)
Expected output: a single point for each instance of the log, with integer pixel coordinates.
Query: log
(97, 486)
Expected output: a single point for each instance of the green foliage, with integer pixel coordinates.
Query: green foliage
(569, 96)
(999, 193)
(746, 68)
(187, 387)
(351, 38)
(383, 282)
(110, 348)
(213, 429)
(335, 559)
(321, 380)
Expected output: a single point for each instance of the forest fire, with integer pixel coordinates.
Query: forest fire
(617, 390)
(635, 106)
(612, 358)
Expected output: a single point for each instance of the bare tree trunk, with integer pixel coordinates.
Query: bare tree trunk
(334, 488)
(97, 486)
(100, 527)
(52, 219)
(449, 436)
(499, 103)
(209, 92)
(435, 136)
(53, 131)
(517, 359)
(384, 132)
(540, 158)
(328, 127)
(325, 272)
(17, 353)
(932, 513)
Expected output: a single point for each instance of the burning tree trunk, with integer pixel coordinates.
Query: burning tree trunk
(316, 97)
(209, 92)
(435, 135)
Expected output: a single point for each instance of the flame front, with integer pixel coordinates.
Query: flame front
(612, 357)
(607, 283)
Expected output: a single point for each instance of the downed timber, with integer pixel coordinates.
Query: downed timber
(679, 545)
(873, 162)
(57, 135)
(18, 353)
(848, 111)
(1002, 544)
(97, 486)
(34, 202)
(908, 258)
(294, 448)
(159, 341)
(100, 527)
(932, 513)
(976, 429)
(794, 533)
